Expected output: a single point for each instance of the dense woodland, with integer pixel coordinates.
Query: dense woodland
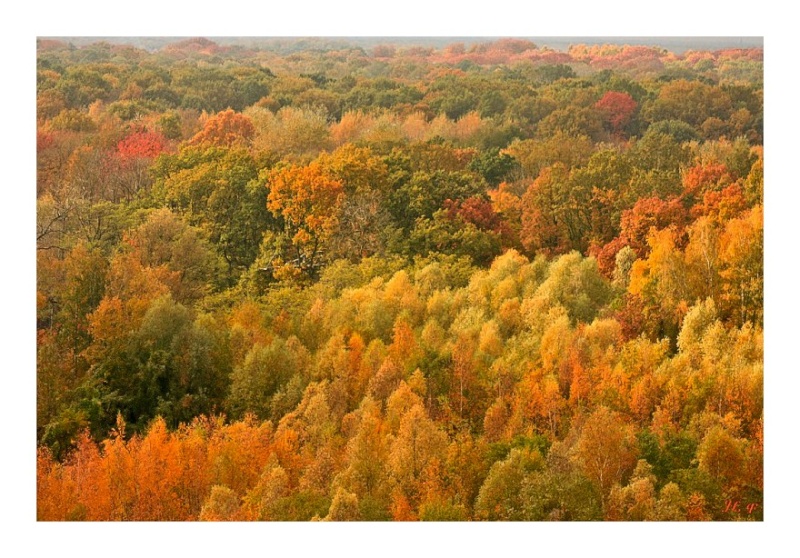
(486, 282)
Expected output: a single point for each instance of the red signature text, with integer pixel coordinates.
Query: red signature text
(736, 506)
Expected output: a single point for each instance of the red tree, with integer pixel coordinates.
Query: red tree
(141, 145)
(617, 109)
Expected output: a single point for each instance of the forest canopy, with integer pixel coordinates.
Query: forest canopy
(493, 281)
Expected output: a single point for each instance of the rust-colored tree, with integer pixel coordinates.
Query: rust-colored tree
(617, 109)
(227, 128)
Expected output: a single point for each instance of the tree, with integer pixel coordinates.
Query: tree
(495, 166)
(574, 283)
(617, 108)
(742, 261)
(535, 155)
(500, 496)
(135, 153)
(606, 449)
(661, 281)
(647, 214)
(364, 472)
(678, 130)
(554, 213)
(671, 504)
(344, 507)
(690, 101)
(754, 183)
(560, 495)
(329, 256)
(222, 505)
(722, 205)
(166, 242)
(308, 200)
(721, 455)
(637, 500)
(607, 176)
(700, 179)
(227, 128)
(424, 192)
(263, 501)
(290, 131)
(363, 216)
(169, 364)
(141, 144)
(702, 259)
(265, 370)
(658, 159)
(80, 292)
(219, 190)
(418, 442)
(453, 235)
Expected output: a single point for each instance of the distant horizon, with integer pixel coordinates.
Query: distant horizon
(677, 44)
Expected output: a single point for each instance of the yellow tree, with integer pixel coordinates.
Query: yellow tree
(222, 505)
(417, 444)
(344, 507)
(702, 259)
(366, 453)
(661, 281)
(261, 503)
(742, 258)
(637, 500)
(606, 449)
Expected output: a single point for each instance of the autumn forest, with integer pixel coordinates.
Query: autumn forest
(308, 279)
